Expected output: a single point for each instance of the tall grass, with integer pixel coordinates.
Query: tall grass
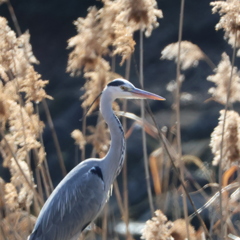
(104, 34)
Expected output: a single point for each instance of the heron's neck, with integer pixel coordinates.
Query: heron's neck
(114, 159)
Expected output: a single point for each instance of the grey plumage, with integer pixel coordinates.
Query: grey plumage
(79, 188)
(81, 195)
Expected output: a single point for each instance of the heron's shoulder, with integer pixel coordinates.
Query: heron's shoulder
(83, 168)
(89, 168)
(90, 162)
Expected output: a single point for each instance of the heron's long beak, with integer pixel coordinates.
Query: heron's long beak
(144, 94)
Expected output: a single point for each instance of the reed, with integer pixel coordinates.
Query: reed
(104, 39)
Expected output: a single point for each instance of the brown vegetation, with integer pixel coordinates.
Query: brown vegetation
(108, 32)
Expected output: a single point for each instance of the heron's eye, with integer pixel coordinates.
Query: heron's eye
(124, 88)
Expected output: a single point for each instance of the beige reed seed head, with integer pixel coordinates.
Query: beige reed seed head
(229, 12)
(41, 155)
(23, 128)
(158, 228)
(9, 90)
(87, 45)
(123, 42)
(3, 108)
(23, 131)
(179, 230)
(3, 74)
(230, 147)
(190, 54)
(96, 81)
(15, 53)
(79, 138)
(116, 32)
(7, 148)
(111, 26)
(221, 79)
(33, 86)
(16, 57)
(107, 15)
(99, 137)
(29, 108)
(17, 225)
(140, 15)
(172, 85)
(24, 43)
(11, 197)
(24, 191)
(95, 35)
(20, 86)
(8, 46)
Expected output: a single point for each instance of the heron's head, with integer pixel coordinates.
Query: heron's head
(121, 88)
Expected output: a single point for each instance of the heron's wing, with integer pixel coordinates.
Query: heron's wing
(72, 206)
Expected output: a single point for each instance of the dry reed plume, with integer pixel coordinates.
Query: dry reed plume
(159, 228)
(189, 56)
(99, 138)
(231, 146)
(229, 11)
(221, 78)
(20, 88)
(178, 230)
(112, 25)
(79, 138)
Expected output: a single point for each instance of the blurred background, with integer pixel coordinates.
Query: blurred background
(50, 24)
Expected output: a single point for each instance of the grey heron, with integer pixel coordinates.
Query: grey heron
(81, 195)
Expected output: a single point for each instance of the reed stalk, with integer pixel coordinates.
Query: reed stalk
(178, 123)
(144, 142)
(55, 138)
(125, 177)
(14, 18)
(105, 222)
(44, 167)
(84, 124)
